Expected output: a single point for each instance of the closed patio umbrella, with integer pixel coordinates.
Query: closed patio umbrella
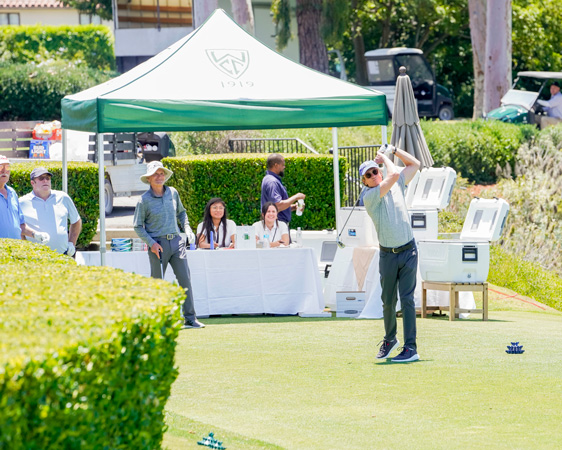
(406, 130)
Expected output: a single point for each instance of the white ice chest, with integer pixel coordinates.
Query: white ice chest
(465, 260)
(426, 195)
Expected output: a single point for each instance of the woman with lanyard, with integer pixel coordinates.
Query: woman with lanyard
(276, 231)
(159, 216)
(216, 224)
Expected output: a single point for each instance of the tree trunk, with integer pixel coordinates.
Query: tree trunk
(358, 47)
(243, 14)
(477, 15)
(312, 49)
(497, 72)
(201, 10)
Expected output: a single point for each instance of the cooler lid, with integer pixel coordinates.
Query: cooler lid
(485, 219)
(433, 189)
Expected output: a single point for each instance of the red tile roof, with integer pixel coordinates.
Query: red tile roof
(31, 4)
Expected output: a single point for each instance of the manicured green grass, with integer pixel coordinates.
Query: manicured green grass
(289, 382)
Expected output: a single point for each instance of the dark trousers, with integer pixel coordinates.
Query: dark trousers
(398, 274)
(174, 253)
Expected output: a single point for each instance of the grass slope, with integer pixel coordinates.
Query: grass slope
(268, 383)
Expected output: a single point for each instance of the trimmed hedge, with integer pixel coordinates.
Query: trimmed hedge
(87, 356)
(91, 45)
(30, 92)
(82, 188)
(476, 149)
(236, 178)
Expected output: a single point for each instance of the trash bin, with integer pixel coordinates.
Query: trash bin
(155, 146)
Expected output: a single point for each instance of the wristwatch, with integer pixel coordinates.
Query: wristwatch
(394, 151)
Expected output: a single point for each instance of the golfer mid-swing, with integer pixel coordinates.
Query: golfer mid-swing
(386, 205)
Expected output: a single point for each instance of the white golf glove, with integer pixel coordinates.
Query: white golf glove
(71, 249)
(388, 149)
(41, 237)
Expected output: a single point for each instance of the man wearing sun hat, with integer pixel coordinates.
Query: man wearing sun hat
(50, 211)
(12, 221)
(386, 205)
(156, 220)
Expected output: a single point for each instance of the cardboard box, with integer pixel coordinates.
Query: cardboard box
(39, 149)
(349, 303)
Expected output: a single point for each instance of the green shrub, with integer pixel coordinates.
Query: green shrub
(87, 356)
(475, 149)
(236, 178)
(82, 188)
(30, 92)
(524, 277)
(90, 45)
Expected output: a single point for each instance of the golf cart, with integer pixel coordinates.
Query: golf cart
(519, 104)
(383, 67)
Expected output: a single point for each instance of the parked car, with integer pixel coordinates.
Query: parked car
(519, 104)
(434, 100)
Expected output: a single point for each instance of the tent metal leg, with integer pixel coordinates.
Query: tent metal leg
(101, 179)
(336, 176)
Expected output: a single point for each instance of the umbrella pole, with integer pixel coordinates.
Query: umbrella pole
(64, 162)
(336, 176)
(384, 135)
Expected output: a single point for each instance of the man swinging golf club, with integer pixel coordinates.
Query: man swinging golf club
(386, 205)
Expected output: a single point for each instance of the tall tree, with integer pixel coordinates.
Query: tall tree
(312, 49)
(201, 10)
(243, 14)
(477, 13)
(497, 71)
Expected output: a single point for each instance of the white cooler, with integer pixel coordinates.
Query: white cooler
(427, 197)
(359, 230)
(465, 260)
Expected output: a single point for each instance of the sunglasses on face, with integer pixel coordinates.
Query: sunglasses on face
(373, 173)
(43, 178)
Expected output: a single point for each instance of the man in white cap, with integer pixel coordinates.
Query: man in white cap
(159, 215)
(386, 205)
(50, 211)
(12, 222)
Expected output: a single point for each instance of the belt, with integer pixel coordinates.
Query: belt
(401, 249)
(169, 237)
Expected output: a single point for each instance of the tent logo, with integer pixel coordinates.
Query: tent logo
(231, 62)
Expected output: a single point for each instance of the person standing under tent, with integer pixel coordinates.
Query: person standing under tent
(386, 205)
(273, 190)
(50, 211)
(159, 215)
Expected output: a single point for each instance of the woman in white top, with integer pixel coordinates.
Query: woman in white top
(277, 231)
(215, 221)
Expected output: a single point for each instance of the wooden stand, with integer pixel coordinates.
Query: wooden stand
(454, 289)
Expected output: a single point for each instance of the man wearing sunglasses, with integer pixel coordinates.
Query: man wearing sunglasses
(386, 205)
(50, 212)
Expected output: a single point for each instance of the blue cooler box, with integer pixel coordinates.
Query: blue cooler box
(39, 149)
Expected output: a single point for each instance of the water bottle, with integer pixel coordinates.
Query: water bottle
(212, 240)
(300, 207)
(266, 241)
(299, 237)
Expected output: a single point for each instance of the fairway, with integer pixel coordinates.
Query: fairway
(289, 382)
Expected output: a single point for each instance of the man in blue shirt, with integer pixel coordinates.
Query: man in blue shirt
(553, 107)
(273, 190)
(12, 223)
(386, 205)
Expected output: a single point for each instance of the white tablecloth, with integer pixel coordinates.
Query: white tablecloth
(273, 281)
(342, 278)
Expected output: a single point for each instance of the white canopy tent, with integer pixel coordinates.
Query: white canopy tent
(218, 78)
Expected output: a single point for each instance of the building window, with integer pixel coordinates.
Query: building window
(9, 19)
(89, 19)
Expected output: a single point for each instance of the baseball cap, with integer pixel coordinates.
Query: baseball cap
(38, 171)
(4, 160)
(366, 166)
(557, 83)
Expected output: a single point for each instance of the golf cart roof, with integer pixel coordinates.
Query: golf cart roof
(393, 51)
(541, 75)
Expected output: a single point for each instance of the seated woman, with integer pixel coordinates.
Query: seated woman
(214, 219)
(277, 231)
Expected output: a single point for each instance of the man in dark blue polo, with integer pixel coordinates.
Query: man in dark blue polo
(272, 189)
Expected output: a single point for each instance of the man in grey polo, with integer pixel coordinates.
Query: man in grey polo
(386, 205)
(158, 217)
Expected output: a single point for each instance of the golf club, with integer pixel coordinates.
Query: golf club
(161, 264)
(338, 241)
